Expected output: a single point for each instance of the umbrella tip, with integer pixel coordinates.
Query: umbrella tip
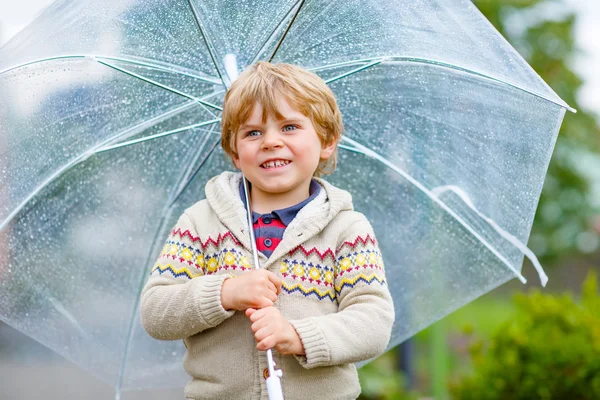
(231, 67)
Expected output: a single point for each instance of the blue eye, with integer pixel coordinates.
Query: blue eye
(285, 128)
(253, 133)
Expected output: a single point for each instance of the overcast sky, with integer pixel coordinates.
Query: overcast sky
(14, 15)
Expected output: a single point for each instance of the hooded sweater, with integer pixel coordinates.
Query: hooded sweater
(334, 294)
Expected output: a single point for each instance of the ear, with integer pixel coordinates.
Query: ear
(236, 161)
(327, 150)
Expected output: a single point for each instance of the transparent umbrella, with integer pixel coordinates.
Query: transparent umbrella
(110, 128)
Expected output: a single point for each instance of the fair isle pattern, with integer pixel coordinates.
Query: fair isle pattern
(182, 272)
(185, 254)
(367, 239)
(352, 282)
(228, 259)
(362, 266)
(315, 251)
(191, 260)
(358, 260)
(210, 241)
(302, 274)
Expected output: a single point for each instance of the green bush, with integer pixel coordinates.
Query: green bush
(550, 350)
(381, 380)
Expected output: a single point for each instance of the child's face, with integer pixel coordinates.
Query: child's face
(280, 156)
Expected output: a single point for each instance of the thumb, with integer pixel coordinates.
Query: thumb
(249, 312)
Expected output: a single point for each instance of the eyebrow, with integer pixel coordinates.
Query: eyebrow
(285, 120)
(245, 126)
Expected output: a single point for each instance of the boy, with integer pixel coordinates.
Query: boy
(319, 300)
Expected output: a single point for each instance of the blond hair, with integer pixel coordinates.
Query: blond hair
(305, 92)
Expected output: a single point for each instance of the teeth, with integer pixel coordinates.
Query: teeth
(276, 163)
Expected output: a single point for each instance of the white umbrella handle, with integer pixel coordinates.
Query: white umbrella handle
(273, 382)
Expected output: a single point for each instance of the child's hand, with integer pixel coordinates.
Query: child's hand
(272, 330)
(256, 289)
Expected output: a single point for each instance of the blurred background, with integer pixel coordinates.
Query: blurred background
(515, 342)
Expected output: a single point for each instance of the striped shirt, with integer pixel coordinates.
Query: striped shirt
(269, 228)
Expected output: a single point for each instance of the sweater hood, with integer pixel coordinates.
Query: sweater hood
(222, 193)
(223, 196)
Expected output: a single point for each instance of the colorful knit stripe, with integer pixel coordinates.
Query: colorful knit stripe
(209, 241)
(313, 251)
(227, 259)
(367, 258)
(347, 283)
(359, 239)
(307, 271)
(175, 272)
(354, 281)
(298, 288)
(178, 251)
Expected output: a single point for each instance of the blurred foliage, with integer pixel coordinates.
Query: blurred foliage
(542, 31)
(550, 350)
(381, 380)
(541, 346)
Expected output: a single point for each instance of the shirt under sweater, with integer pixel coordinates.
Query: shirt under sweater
(269, 227)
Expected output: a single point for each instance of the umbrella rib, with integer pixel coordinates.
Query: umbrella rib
(142, 279)
(286, 30)
(335, 78)
(156, 136)
(125, 60)
(130, 131)
(170, 89)
(359, 148)
(155, 243)
(272, 34)
(193, 175)
(209, 79)
(209, 46)
(343, 64)
(439, 64)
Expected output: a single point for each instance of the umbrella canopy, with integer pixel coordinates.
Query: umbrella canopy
(110, 129)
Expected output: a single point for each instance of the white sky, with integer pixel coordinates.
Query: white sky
(14, 15)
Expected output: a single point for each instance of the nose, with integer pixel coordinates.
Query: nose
(271, 140)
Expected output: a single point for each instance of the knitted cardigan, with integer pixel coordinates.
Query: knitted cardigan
(334, 293)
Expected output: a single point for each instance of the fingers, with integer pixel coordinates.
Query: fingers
(276, 281)
(261, 330)
(255, 315)
(249, 312)
(272, 287)
(267, 343)
(265, 302)
(256, 289)
(271, 296)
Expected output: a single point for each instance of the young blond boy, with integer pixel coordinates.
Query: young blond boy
(319, 300)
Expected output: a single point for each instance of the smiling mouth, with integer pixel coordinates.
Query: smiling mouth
(275, 164)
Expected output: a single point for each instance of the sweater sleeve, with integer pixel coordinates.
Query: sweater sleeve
(179, 299)
(361, 328)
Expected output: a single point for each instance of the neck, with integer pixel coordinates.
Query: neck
(265, 202)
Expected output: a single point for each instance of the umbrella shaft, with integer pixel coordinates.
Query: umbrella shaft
(273, 382)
